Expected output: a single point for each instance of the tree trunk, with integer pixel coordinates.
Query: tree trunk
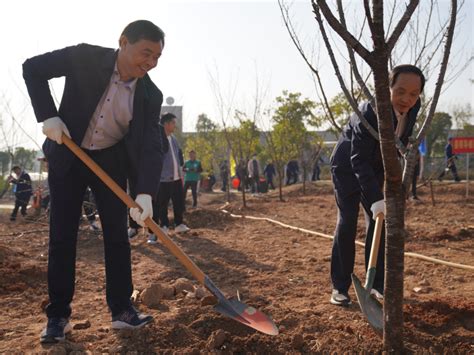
(304, 180)
(395, 218)
(243, 184)
(280, 184)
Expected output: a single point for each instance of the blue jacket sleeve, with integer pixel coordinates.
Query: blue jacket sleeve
(363, 150)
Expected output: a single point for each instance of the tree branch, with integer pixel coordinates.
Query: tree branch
(341, 31)
(402, 24)
(354, 67)
(349, 97)
(296, 42)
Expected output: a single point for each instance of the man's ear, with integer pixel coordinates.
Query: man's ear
(123, 40)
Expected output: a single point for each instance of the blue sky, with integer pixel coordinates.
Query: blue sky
(238, 39)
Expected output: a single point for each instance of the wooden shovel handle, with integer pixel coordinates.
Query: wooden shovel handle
(374, 251)
(169, 244)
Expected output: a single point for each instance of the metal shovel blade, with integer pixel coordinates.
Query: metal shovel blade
(371, 308)
(240, 312)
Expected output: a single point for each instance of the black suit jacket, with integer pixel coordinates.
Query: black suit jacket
(356, 162)
(23, 189)
(87, 70)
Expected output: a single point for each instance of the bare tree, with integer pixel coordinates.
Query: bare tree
(239, 126)
(378, 60)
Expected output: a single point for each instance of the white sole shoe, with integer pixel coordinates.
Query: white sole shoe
(45, 339)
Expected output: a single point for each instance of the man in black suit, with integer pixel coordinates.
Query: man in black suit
(358, 176)
(111, 108)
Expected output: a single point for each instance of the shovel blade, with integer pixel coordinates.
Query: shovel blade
(235, 309)
(247, 315)
(371, 308)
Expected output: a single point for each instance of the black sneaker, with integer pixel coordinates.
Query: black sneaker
(130, 319)
(340, 298)
(55, 330)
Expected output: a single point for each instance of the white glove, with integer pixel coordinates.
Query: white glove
(53, 128)
(144, 201)
(377, 208)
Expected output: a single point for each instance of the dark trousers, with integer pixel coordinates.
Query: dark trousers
(89, 206)
(270, 182)
(20, 204)
(291, 178)
(67, 194)
(343, 249)
(193, 186)
(452, 167)
(254, 181)
(169, 190)
(416, 172)
(316, 173)
(225, 179)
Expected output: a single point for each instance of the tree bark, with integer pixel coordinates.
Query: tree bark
(395, 218)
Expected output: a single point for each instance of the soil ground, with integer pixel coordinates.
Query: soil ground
(282, 272)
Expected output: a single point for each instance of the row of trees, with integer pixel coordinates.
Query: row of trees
(292, 134)
(288, 138)
(20, 156)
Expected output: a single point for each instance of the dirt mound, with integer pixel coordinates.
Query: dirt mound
(438, 316)
(17, 273)
(209, 219)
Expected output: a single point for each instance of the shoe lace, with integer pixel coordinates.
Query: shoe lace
(127, 316)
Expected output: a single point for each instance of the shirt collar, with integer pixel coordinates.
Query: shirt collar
(131, 84)
(399, 115)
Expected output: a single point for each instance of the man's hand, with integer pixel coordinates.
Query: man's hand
(53, 128)
(377, 208)
(144, 201)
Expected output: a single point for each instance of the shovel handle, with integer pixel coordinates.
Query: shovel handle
(107, 180)
(374, 251)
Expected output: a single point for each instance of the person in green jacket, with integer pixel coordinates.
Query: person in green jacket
(192, 169)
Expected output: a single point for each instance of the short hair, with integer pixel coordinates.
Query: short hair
(406, 68)
(143, 29)
(192, 151)
(16, 167)
(167, 117)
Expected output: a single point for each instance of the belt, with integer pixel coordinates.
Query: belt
(95, 152)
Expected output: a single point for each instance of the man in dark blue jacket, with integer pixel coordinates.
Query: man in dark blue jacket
(111, 108)
(269, 173)
(22, 190)
(450, 162)
(292, 171)
(358, 176)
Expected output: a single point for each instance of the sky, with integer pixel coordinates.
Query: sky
(237, 43)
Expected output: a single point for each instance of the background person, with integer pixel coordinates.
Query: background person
(192, 174)
(23, 191)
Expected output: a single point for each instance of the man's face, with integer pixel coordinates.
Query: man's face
(405, 92)
(170, 126)
(135, 60)
(192, 155)
(17, 171)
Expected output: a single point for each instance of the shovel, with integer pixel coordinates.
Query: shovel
(232, 307)
(371, 308)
